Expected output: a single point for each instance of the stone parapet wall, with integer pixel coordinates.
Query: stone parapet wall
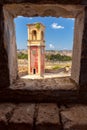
(43, 116)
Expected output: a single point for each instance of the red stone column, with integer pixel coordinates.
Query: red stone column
(4, 72)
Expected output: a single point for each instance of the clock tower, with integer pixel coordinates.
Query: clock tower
(36, 49)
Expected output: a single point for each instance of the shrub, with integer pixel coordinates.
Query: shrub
(22, 56)
(56, 67)
(37, 25)
(58, 57)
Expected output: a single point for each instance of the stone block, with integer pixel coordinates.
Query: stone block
(5, 114)
(74, 118)
(48, 117)
(22, 118)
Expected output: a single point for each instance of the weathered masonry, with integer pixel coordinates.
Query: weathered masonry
(9, 9)
(33, 116)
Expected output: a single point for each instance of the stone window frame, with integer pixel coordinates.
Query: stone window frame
(30, 10)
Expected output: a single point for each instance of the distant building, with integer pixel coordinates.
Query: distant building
(36, 49)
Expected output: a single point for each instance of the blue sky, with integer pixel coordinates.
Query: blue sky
(58, 33)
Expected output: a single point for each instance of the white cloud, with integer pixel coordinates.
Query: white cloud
(30, 18)
(20, 17)
(51, 46)
(71, 19)
(56, 26)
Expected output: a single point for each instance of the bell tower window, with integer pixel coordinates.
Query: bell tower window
(34, 35)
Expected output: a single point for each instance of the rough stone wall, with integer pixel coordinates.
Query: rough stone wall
(4, 72)
(10, 44)
(83, 68)
(13, 10)
(44, 10)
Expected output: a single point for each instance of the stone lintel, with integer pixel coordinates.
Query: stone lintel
(45, 1)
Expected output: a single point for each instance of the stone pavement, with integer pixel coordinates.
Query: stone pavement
(42, 116)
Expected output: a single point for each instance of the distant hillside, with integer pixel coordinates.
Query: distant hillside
(22, 51)
(49, 55)
(50, 52)
(61, 52)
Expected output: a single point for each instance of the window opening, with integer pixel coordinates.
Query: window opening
(34, 35)
(34, 71)
(58, 38)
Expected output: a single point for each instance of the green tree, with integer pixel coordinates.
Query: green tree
(58, 57)
(22, 56)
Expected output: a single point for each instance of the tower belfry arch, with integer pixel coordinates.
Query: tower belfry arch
(36, 49)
